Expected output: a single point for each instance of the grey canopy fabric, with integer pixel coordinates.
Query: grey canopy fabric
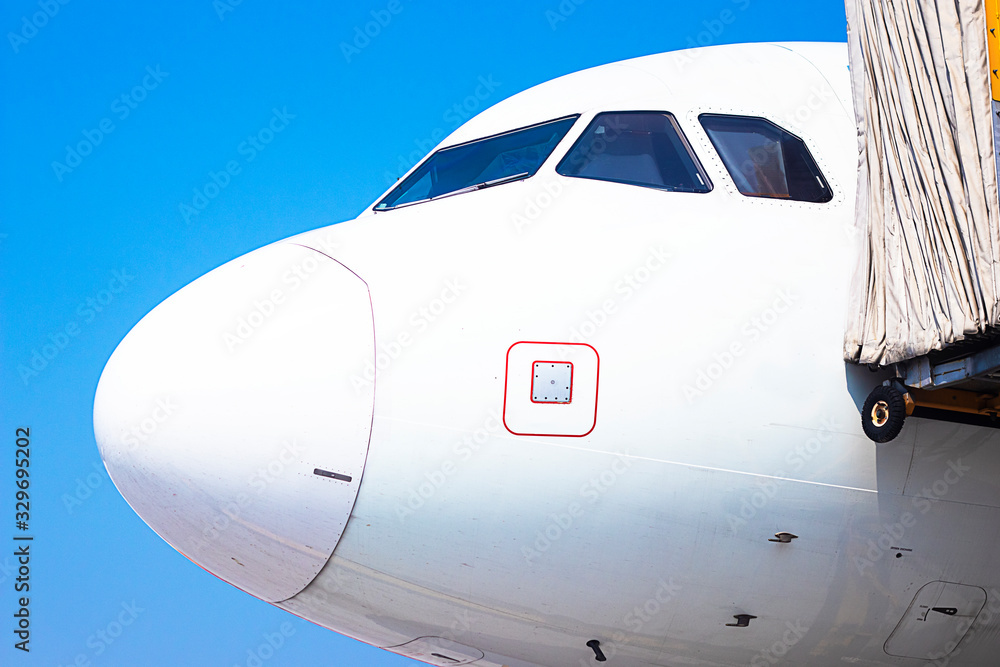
(927, 209)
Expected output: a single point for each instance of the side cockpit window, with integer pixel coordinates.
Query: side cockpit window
(637, 148)
(765, 160)
(479, 164)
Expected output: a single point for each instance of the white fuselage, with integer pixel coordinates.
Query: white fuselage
(724, 414)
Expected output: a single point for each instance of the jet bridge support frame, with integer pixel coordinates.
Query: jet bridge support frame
(963, 388)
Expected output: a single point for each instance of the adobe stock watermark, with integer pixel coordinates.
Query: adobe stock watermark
(38, 20)
(607, 133)
(7, 569)
(590, 493)
(223, 7)
(767, 487)
(84, 488)
(537, 204)
(104, 637)
(420, 321)
(121, 107)
(364, 34)
(561, 13)
(818, 99)
(271, 643)
(630, 283)
(710, 31)
(139, 432)
(750, 333)
(460, 625)
(86, 312)
(891, 537)
(248, 150)
(639, 617)
(267, 305)
(332, 581)
(259, 481)
(462, 452)
(452, 117)
(965, 631)
(775, 653)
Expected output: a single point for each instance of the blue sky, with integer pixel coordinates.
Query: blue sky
(115, 117)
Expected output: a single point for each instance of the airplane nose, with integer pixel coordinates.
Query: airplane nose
(233, 417)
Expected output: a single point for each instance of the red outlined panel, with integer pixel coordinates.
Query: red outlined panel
(524, 416)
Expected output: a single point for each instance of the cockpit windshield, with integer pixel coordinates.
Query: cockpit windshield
(502, 158)
(645, 148)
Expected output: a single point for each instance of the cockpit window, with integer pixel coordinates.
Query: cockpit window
(638, 148)
(765, 160)
(479, 164)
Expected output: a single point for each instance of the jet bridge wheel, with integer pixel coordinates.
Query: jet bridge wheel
(883, 413)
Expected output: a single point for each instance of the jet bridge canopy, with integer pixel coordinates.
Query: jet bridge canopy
(925, 298)
(927, 209)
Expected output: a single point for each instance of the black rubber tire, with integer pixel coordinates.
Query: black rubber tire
(883, 414)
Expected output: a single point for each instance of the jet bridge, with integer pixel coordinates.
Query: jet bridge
(926, 292)
(960, 384)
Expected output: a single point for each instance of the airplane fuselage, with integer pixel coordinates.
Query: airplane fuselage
(711, 411)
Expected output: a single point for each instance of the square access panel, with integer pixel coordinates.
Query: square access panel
(551, 389)
(552, 382)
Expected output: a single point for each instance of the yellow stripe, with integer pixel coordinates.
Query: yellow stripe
(993, 45)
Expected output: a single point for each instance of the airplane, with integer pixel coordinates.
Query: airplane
(572, 392)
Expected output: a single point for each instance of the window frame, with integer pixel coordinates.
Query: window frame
(824, 181)
(681, 135)
(510, 179)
